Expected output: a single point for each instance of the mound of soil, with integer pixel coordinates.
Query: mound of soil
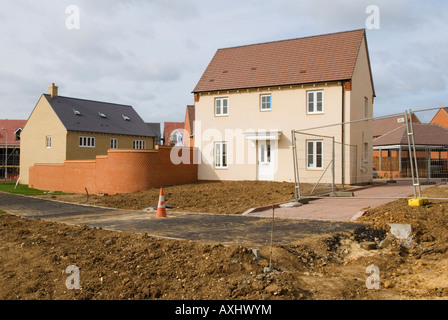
(429, 222)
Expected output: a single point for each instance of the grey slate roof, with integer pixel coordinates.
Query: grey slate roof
(155, 127)
(89, 119)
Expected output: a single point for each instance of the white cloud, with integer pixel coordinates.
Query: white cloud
(152, 53)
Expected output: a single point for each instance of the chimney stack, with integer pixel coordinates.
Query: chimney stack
(53, 90)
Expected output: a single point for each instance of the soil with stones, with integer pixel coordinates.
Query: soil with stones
(35, 254)
(233, 197)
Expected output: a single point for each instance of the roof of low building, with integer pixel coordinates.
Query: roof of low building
(384, 125)
(425, 134)
(323, 58)
(98, 117)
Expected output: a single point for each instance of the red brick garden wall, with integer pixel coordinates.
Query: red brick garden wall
(121, 171)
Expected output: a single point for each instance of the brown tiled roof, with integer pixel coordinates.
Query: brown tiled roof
(329, 57)
(11, 127)
(424, 134)
(385, 125)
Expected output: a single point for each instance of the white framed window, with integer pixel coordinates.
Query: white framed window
(48, 142)
(114, 143)
(220, 155)
(87, 142)
(366, 107)
(366, 151)
(265, 102)
(314, 152)
(221, 106)
(315, 102)
(139, 144)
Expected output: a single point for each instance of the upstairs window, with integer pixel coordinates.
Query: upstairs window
(315, 102)
(87, 142)
(221, 106)
(366, 108)
(17, 134)
(265, 102)
(48, 142)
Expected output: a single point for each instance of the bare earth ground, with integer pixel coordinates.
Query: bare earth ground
(213, 197)
(34, 255)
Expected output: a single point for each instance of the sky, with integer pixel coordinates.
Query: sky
(151, 53)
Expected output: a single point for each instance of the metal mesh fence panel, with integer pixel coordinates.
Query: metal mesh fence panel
(411, 147)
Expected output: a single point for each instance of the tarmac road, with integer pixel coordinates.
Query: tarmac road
(224, 229)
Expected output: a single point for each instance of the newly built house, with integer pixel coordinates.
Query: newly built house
(173, 133)
(250, 98)
(10, 131)
(441, 117)
(188, 139)
(63, 128)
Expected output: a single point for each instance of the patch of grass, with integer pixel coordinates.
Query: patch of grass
(22, 189)
(1, 211)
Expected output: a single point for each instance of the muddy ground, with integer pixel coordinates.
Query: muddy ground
(233, 197)
(34, 255)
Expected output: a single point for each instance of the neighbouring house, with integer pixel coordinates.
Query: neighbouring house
(10, 131)
(251, 97)
(174, 132)
(155, 127)
(441, 117)
(188, 139)
(392, 156)
(63, 128)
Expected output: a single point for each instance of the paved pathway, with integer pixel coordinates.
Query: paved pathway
(345, 209)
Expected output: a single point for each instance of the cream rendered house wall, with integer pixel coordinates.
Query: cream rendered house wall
(42, 122)
(289, 112)
(361, 132)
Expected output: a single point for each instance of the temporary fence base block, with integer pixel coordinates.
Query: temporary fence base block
(417, 202)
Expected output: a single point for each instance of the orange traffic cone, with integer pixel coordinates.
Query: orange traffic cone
(161, 210)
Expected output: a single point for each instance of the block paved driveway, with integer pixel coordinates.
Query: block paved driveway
(224, 229)
(346, 209)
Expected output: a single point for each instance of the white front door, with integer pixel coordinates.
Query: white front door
(265, 161)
